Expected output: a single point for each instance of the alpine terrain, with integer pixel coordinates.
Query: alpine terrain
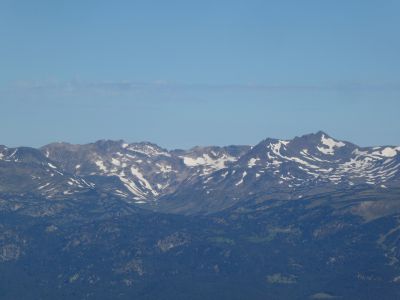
(308, 218)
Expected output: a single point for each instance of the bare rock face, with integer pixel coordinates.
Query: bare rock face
(172, 241)
(10, 252)
(132, 266)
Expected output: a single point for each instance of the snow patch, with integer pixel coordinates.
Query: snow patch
(12, 154)
(224, 174)
(148, 150)
(43, 186)
(115, 162)
(252, 162)
(276, 148)
(387, 152)
(147, 185)
(206, 160)
(330, 144)
(101, 165)
(241, 180)
(131, 186)
(165, 168)
(161, 187)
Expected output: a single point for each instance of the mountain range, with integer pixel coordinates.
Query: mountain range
(308, 218)
(144, 173)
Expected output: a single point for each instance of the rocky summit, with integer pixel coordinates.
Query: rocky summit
(313, 217)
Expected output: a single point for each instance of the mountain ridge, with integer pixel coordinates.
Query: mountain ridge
(145, 173)
(277, 220)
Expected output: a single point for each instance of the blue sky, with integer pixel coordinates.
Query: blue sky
(181, 73)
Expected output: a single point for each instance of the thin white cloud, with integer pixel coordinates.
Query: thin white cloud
(115, 88)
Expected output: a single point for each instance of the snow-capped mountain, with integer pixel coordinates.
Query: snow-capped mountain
(211, 176)
(281, 214)
(291, 169)
(27, 170)
(203, 161)
(139, 172)
(315, 158)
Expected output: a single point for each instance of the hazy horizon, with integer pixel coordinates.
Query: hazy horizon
(182, 74)
(197, 145)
